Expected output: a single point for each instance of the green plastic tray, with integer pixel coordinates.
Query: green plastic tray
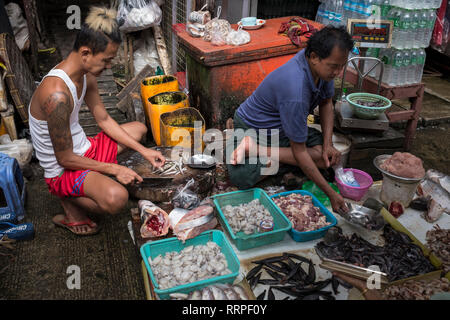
(155, 248)
(242, 240)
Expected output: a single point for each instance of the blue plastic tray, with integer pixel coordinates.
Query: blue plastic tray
(243, 241)
(155, 248)
(310, 235)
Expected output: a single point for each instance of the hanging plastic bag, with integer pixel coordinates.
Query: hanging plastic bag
(185, 198)
(135, 15)
(237, 38)
(146, 54)
(217, 29)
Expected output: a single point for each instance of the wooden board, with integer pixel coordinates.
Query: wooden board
(18, 78)
(204, 179)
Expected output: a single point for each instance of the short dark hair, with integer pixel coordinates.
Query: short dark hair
(323, 41)
(99, 29)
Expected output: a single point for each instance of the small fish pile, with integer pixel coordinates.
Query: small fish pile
(289, 277)
(246, 217)
(217, 291)
(170, 168)
(373, 104)
(417, 289)
(438, 240)
(399, 258)
(302, 212)
(193, 263)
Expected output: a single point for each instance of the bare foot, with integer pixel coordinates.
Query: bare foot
(246, 148)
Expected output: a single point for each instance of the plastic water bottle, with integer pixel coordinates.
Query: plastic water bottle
(412, 71)
(405, 24)
(415, 18)
(386, 58)
(339, 12)
(421, 26)
(394, 14)
(385, 7)
(405, 66)
(320, 12)
(421, 57)
(397, 62)
(437, 3)
(429, 31)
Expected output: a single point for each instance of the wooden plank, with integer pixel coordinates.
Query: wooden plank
(131, 86)
(400, 115)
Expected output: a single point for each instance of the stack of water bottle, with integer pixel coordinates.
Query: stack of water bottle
(413, 27)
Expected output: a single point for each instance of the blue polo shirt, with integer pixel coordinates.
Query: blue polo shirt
(285, 98)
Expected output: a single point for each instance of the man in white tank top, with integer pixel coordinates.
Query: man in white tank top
(77, 167)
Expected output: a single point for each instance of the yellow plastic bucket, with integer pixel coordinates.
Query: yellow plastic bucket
(2, 128)
(184, 119)
(151, 86)
(162, 103)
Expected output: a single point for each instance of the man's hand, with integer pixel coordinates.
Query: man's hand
(338, 203)
(330, 152)
(154, 157)
(127, 176)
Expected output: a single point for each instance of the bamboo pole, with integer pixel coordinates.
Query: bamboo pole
(162, 50)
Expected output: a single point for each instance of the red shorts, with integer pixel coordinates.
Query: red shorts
(70, 183)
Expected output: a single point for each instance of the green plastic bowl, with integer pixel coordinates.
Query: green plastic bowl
(318, 193)
(368, 113)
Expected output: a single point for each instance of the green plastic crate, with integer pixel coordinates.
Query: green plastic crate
(242, 240)
(155, 248)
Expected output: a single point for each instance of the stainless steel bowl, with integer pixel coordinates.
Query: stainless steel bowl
(379, 160)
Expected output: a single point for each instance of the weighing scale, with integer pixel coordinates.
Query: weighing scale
(366, 34)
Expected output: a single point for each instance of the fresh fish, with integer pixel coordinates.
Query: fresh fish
(253, 272)
(207, 294)
(218, 293)
(179, 296)
(240, 291)
(195, 295)
(270, 295)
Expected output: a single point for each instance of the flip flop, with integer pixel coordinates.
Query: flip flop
(60, 220)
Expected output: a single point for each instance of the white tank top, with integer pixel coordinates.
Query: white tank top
(41, 138)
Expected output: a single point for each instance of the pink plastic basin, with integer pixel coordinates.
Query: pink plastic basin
(355, 193)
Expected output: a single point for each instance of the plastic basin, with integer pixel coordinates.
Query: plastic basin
(155, 248)
(355, 193)
(243, 241)
(300, 236)
(365, 112)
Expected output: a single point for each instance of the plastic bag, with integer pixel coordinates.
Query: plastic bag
(21, 149)
(146, 54)
(195, 30)
(19, 25)
(217, 29)
(237, 38)
(135, 15)
(346, 177)
(185, 198)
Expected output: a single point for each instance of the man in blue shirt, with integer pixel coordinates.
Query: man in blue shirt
(278, 110)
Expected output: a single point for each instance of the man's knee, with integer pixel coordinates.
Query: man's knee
(141, 129)
(115, 199)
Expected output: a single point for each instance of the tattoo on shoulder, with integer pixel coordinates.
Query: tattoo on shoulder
(58, 110)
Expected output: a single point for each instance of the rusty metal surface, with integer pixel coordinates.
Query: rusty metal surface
(164, 191)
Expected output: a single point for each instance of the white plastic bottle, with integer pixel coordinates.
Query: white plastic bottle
(339, 12)
(394, 14)
(405, 23)
(385, 7)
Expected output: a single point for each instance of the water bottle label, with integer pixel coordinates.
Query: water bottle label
(422, 24)
(347, 5)
(386, 60)
(384, 10)
(414, 59)
(420, 60)
(396, 22)
(398, 63)
(414, 24)
(405, 25)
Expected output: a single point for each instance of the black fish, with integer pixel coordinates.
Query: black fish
(276, 268)
(253, 272)
(311, 273)
(334, 285)
(312, 296)
(270, 295)
(273, 274)
(255, 280)
(296, 256)
(269, 282)
(292, 273)
(261, 296)
(269, 260)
